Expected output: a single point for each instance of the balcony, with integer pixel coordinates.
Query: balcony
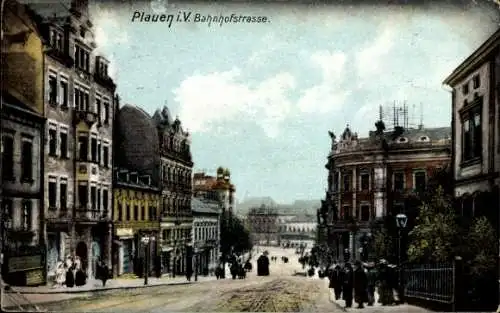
(87, 116)
(91, 216)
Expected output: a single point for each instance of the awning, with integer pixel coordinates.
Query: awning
(166, 249)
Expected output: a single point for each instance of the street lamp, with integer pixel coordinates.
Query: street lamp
(401, 220)
(146, 240)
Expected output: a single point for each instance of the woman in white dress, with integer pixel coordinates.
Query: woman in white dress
(60, 274)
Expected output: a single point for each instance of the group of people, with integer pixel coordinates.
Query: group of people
(359, 283)
(71, 273)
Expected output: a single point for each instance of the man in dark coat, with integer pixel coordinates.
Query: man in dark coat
(371, 276)
(347, 284)
(336, 279)
(360, 285)
(263, 265)
(234, 270)
(385, 288)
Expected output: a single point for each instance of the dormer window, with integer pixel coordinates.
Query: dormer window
(102, 66)
(82, 32)
(82, 58)
(56, 39)
(424, 138)
(403, 139)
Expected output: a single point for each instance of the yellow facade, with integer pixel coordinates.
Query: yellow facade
(23, 54)
(129, 198)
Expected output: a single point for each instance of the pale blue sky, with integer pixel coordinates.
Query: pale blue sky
(260, 98)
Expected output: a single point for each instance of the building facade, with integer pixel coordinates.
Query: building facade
(136, 212)
(22, 137)
(476, 131)
(370, 178)
(205, 235)
(216, 189)
(176, 186)
(79, 107)
(297, 230)
(264, 225)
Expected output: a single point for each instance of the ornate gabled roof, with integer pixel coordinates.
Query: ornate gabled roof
(347, 133)
(163, 117)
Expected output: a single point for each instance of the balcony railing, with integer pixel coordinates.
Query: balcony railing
(91, 214)
(85, 115)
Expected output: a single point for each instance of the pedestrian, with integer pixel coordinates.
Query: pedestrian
(60, 274)
(360, 285)
(70, 278)
(371, 275)
(104, 273)
(336, 279)
(386, 296)
(347, 284)
(189, 273)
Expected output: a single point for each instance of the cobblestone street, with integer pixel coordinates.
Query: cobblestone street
(279, 292)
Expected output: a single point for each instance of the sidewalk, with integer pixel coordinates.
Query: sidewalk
(112, 284)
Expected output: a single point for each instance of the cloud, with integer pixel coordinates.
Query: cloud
(369, 59)
(328, 94)
(108, 34)
(207, 100)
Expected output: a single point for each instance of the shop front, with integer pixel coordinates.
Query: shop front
(126, 250)
(24, 266)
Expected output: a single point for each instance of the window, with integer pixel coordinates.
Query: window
(99, 152)
(93, 149)
(59, 42)
(52, 142)
(63, 194)
(81, 58)
(347, 182)
(52, 89)
(105, 197)
(52, 193)
(476, 81)
(136, 212)
(120, 211)
(365, 213)
(7, 208)
(27, 215)
(152, 213)
(8, 158)
(99, 200)
(471, 133)
(63, 137)
(465, 88)
(93, 197)
(81, 99)
(365, 181)
(106, 112)
(143, 213)
(98, 109)
(419, 181)
(127, 213)
(27, 161)
(345, 212)
(399, 181)
(63, 91)
(83, 196)
(83, 144)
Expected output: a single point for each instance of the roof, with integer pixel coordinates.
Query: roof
(14, 103)
(137, 137)
(204, 207)
(474, 60)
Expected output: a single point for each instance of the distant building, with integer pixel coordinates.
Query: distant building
(22, 130)
(372, 177)
(476, 131)
(136, 213)
(205, 234)
(263, 225)
(296, 230)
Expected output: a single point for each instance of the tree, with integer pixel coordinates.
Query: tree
(383, 245)
(435, 238)
(234, 236)
(482, 247)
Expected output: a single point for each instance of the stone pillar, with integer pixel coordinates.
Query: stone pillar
(120, 259)
(108, 245)
(354, 189)
(90, 255)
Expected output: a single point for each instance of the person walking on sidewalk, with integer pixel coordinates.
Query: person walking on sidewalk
(371, 275)
(348, 284)
(335, 277)
(360, 285)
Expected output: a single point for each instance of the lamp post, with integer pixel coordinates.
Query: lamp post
(401, 220)
(146, 240)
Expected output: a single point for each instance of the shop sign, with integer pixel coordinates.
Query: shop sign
(124, 232)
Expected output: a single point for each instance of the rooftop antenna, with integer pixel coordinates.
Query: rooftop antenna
(421, 125)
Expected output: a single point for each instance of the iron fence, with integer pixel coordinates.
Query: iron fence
(430, 282)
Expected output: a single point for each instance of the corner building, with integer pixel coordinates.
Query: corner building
(370, 178)
(79, 107)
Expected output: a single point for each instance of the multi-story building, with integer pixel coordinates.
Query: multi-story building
(22, 137)
(79, 107)
(135, 216)
(218, 189)
(205, 234)
(370, 178)
(175, 166)
(476, 130)
(297, 230)
(264, 225)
